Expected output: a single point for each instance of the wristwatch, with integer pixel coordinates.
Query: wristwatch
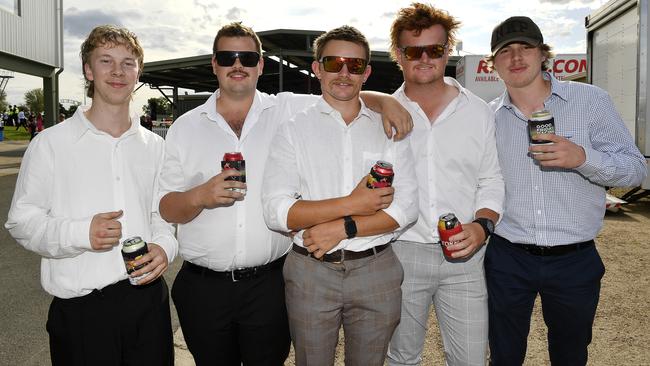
(350, 227)
(487, 225)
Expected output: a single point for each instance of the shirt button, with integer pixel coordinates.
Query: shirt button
(539, 212)
(536, 188)
(240, 226)
(117, 179)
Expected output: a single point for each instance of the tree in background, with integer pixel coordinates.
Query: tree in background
(157, 106)
(34, 100)
(3, 101)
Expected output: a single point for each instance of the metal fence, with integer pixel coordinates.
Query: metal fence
(160, 131)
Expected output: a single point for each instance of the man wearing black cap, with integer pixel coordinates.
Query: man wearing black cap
(555, 199)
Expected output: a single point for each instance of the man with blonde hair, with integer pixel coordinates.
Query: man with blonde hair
(85, 185)
(457, 172)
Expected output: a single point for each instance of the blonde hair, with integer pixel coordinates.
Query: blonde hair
(112, 36)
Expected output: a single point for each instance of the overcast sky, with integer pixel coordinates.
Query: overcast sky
(172, 29)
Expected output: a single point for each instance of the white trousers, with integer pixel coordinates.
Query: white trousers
(457, 290)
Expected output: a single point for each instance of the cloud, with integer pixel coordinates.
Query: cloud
(235, 13)
(79, 23)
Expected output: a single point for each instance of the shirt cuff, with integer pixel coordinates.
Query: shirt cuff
(593, 160)
(169, 245)
(80, 234)
(283, 214)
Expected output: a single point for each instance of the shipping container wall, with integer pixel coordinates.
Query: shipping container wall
(33, 33)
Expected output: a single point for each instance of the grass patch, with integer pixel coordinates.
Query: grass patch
(12, 135)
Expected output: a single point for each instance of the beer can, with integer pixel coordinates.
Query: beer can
(541, 122)
(133, 249)
(448, 226)
(235, 160)
(381, 175)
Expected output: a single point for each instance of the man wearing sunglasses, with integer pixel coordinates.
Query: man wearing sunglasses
(457, 171)
(341, 269)
(230, 293)
(555, 199)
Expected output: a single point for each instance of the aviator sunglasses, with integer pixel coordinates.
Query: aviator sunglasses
(412, 53)
(335, 63)
(247, 58)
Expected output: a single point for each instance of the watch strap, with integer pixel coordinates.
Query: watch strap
(350, 227)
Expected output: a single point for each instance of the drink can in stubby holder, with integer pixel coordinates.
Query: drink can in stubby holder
(540, 122)
(133, 249)
(235, 160)
(448, 226)
(381, 175)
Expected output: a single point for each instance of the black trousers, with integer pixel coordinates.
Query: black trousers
(569, 288)
(227, 323)
(118, 325)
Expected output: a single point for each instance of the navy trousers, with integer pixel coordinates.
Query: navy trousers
(569, 288)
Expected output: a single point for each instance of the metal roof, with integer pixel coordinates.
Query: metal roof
(293, 48)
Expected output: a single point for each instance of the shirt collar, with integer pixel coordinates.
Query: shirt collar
(209, 108)
(81, 124)
(400, 93)
(558, 88)
(324, 107)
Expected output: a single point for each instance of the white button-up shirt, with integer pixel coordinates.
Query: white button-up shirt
(317, 156)
(457, 165)
(71, 172)
(226, 238)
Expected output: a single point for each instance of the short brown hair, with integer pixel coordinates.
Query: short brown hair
(343, 33)
(419, 17)
(236, 29)
(546, 52)
(110, 35)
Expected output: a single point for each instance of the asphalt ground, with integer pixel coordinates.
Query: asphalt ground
(23, 302)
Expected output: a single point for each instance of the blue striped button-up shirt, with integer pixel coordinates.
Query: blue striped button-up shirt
(553, 206)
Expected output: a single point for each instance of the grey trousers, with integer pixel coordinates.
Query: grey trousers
(363, 295)
(458, 292)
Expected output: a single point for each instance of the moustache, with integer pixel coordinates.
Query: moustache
(240, 72)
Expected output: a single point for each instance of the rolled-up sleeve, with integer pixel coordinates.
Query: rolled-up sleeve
(404, 208)
(281, 184)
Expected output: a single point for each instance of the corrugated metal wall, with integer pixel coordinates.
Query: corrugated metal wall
(32, 35)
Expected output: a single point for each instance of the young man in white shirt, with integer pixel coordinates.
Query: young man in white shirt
(457, 171)
(84, 186)
(341, 270)
(230, 292)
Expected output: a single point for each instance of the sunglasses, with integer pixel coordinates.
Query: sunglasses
(247, 58)
(335, 64)
(412, 53)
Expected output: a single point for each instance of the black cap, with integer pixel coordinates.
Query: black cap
(515, 29)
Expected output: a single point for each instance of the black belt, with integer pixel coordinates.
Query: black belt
(237, 274)
(549, 251)
(342, 254)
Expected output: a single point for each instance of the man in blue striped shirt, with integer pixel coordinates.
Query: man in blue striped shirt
(555, 199)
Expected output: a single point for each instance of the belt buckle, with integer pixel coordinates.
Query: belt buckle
(340, 260)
